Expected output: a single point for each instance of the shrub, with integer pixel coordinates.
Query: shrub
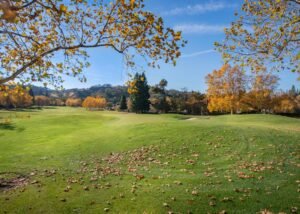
(94, 103)
(17, 97)
(41, 101)
(72, 102)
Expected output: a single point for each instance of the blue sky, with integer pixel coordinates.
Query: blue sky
(202, 23)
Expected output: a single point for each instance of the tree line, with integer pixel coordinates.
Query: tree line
(155, 99)
(230, 90)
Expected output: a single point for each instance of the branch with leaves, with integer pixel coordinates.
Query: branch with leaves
(267, 33)
(42, 40)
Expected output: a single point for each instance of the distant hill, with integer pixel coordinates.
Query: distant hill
(111, 93)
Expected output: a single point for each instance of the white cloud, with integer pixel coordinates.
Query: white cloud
(198, 53)
(200, 28)
(199, 8)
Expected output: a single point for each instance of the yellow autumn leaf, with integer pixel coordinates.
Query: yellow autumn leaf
(132, 2)
(63, 8)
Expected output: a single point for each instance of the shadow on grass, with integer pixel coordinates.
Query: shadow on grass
(31, 109)
(48, 107)
(7, 126)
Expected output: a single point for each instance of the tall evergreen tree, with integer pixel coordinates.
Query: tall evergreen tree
(293, 91)
(123, 103)
(139, 93)
(31, 94)
(46, 92)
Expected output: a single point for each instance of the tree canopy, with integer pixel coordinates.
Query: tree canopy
(225, 89)
(266, 33)
(231, 90)
(158, 97)
(43, 40)
(94, 103)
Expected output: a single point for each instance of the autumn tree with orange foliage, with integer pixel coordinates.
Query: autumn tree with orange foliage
(56, 102)
(91, 103)
(33, 33)
(259, 98)
(225, 89)
(285, 104)
(16, 97)
(73, 102)
(265, 33)
(42, 101)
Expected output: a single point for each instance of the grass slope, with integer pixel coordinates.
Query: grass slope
(74, 161)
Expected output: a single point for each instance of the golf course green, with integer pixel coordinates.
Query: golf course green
(70, 160)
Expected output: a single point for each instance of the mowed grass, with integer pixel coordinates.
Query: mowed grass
(75, 161)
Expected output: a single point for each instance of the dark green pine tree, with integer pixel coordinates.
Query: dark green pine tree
(123, 103)
(31, 94)
(46, 92)
(140, 100)
(293, 91)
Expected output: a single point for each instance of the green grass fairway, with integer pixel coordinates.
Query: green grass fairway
(68, 160)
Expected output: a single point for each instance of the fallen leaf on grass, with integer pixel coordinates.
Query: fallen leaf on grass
(67, 189)
(63, 200)
(139, 177)
(165, 205)
(212, 203)
(178, 182)
(194, 192)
